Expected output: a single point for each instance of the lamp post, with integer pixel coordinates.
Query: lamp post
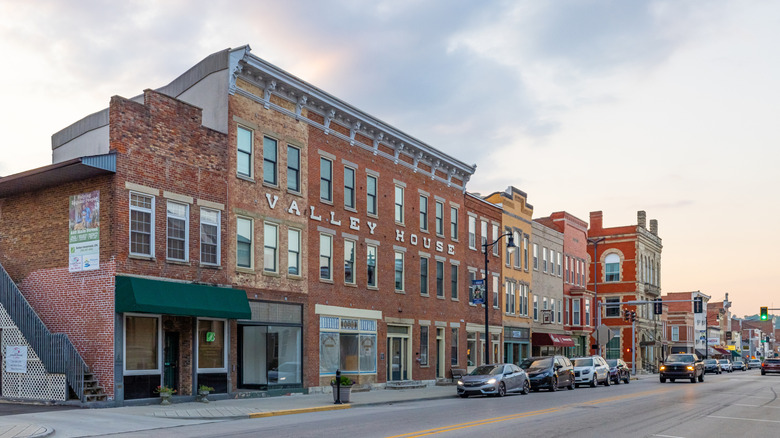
(511, 246)
(595, 243)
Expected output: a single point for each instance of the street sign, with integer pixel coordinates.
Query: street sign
(603, 334)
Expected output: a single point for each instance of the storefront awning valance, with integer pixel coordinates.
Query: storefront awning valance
(170, 298)
(552, 339)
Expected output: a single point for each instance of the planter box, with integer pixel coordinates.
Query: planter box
(344, 391)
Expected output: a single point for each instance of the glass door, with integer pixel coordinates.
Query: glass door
(396, 365)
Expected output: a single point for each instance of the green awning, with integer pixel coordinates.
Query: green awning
(735, 353)
(170, 298)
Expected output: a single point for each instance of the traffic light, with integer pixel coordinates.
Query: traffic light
(626, 315)
(633, 316)
(697, 305)
(658, 307)
(764, 314)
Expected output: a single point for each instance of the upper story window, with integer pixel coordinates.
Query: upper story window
(525, 253)
(612, 267)
(439, 279)
(293, 251)
(675, 333)
(293, 168)
(454, 223)
(472, 232)
(566, 269)
(349, 261)
(423, 213)
(439, 218)
(454, 282)
(423, 275)
(399, 271)
(371, 265)
(178, 231)
(613, 307)
(536, 308)
(141, 224)
(349, 187)
(371, 194)
(270, 161)
(575, 312)
(399, 204)
(495, 239)
(536, 257)
(244, 138)
(544, 259)
(326, 257)
(210, 236)
(483, 235)
(270, 247)
(518, 256)
(560, 266)
(326, 180)
(244, 242)
(495, 291)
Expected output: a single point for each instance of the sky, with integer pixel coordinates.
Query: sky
(671, 107)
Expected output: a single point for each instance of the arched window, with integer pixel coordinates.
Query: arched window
(612, 267)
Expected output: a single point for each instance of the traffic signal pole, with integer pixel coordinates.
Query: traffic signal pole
(633, 347)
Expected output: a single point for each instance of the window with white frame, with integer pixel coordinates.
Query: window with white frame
(453, 223)
(613, 307)
(270, 161)
(212, 345)
(524, 302)
(508, 292)
(326, 180)
(399, 271)
(483, 235)
(496, 284)
(472, 232)
(399, 204)
(575, 312)
(536, 257)
(326, 257)
(293, 251)
(349, 187)
(552, 310)
(270, 247)
(544, 259)
(525, 252)
(495, 238)
(560, 266)
(518, 256)
(536, 308)
(675, 333)
(349, 261)
(178, 231)
(423, 213)
(587, 311)
(560, 304)
(371, 198)
(439, 218)
(210, 236)
(244, 242)
(347, 344)
(371, 253)
(566, 269)
(293, 168)
(578, 273)
(141, 224)
(612, 268)
(244, 139)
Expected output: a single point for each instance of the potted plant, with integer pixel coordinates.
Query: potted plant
(166, 393)
(203, 393)
(344, 389)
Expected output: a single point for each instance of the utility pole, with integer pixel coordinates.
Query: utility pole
(595, 243)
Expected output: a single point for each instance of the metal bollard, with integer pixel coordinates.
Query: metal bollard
(338, 388)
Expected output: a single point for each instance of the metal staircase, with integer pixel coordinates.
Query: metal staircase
(56, 352)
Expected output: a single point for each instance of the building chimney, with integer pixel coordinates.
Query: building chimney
(641, 218)
(654, 226)
(596, 220)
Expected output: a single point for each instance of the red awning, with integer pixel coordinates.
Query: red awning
(722, 351)
(552, 339)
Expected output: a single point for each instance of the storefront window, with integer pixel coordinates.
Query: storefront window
(142, 343)
(351, 352)
(211, 344)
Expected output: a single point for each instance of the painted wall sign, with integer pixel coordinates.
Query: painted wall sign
(84, 232)
(16, 359)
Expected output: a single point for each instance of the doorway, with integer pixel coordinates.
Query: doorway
(396, 366)
(171, 357)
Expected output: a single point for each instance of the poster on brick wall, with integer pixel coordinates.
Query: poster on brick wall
(84, 232)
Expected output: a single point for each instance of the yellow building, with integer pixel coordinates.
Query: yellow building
(517, 218)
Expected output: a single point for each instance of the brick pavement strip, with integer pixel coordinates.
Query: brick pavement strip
(24, 431)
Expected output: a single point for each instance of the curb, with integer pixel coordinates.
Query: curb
(298, 411)
(25, 430)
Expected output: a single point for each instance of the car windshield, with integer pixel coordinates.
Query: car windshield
(612, 362)
(772, 361)
(710, 361)
(583, 362)
(679, 358)
(487, 370)
(738, 362)
(536, 363)
(724, 361)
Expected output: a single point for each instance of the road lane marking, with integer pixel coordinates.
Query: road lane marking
(744, 419)
(669, 436)
(756, 406)
(486, 421)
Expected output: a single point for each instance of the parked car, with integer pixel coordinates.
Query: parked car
(725, 365)
(712, 366)
(682, 366)
(754, 363)
(549, 372)
(770, 366)
(739, 365)
(591, 370)
(494, 379)
(618, 371)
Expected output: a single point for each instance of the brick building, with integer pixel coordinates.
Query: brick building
(547, 332)
(242, 227)
(686, 329)
(628, 268)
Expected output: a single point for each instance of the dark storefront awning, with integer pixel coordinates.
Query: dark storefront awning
(166, 297)
(552, 339)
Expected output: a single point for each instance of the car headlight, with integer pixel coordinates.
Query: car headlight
(460, 382)
(491, 381)
(662, 368)
(585, 371)
(690, 368)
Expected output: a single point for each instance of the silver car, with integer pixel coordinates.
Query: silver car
(494, 379)
(725, 365)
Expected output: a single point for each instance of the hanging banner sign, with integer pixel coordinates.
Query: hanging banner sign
(84, 232)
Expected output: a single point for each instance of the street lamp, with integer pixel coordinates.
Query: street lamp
(595, 243)
(510, 246)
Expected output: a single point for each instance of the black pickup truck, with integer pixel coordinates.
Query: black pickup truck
(682, 366)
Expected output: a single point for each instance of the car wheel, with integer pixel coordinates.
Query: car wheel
(501, 390)
(463, 395)
(628, 379)
(663, 379)
(554, 386)
(607, 381)
(617, 380)
(526, 388)
(594, 382)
